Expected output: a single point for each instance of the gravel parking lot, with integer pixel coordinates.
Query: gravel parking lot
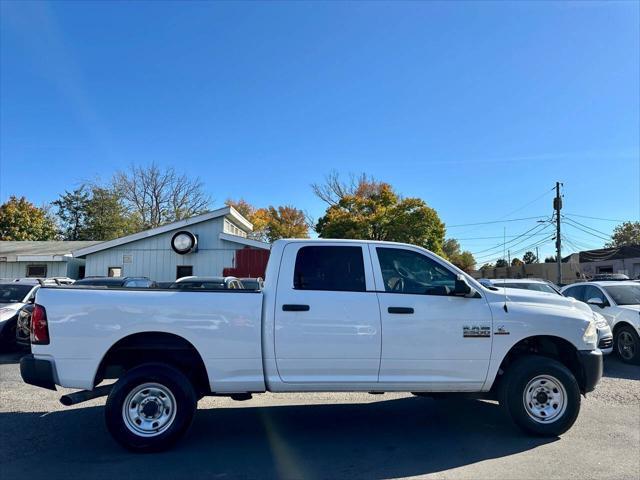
(325, 436)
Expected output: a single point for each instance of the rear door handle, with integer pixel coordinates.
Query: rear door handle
(288, 307)
(404, 310)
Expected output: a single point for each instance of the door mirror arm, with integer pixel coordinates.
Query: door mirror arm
(463, 289)
(597, 301)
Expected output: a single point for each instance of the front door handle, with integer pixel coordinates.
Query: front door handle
(289, 307)
(404, 310)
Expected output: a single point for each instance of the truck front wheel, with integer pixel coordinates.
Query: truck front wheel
(541, 395)
(150, 407)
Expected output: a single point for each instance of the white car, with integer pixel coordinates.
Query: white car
(619, 304)
(13, 296)
(334, 315)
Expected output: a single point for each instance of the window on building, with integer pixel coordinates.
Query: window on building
(329, 268)
(114, 272)
(39, 271)
(605, 269)
(184, 271)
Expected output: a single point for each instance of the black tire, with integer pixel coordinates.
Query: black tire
(512, 395)
(632, 353)
(184, 404)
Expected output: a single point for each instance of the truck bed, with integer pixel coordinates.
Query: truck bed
(223, 325)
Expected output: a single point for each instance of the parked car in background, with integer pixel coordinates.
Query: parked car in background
(610, 277)
(13, 296)
(523, 283)
(619, 304)
(253, 283)
(207, 283)
(116, 282)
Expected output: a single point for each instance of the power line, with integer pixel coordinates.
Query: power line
(497, 236)
(496, 221)
(595, 218)
(544, 227)
(531, 247)
(587, 231)
(586, 226)
(599, 234)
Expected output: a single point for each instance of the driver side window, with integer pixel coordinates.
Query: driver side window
(406, 271)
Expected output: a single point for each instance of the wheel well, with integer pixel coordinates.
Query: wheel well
(140, 348)
(618, 326)
(548, 346)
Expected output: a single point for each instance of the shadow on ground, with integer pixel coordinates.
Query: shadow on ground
(616, 368)
(394, 438)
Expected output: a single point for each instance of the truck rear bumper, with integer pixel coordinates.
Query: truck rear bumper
(38, 372)
(591, 366)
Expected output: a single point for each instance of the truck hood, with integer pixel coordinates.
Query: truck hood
(518, 295)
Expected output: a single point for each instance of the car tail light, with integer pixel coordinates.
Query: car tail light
(39, 327)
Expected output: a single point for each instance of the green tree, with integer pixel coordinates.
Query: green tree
(627, 233)
(463, 260)
(501, 262)
(529, 257)
(107, 217)
(487, 266)
(516, 262)
(550, 259)
(72, 212)
(22, 220)
(374, 211)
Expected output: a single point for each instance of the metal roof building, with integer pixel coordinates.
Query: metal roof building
(40, 259)
(204, 245)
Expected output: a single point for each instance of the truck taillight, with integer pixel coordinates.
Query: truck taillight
(39, 327)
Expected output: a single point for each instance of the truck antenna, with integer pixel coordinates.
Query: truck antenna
(504, 246)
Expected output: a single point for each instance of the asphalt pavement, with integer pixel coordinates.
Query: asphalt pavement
(325, 436)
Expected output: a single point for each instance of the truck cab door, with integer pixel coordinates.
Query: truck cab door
(432, 338)
(327, 320)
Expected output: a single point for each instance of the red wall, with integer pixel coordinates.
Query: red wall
(249, 262)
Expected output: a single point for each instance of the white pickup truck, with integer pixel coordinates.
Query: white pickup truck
(334, 315)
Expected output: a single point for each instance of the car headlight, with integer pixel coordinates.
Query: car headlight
(600, 321)
(590, 335)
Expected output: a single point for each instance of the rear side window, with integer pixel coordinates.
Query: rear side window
(329, 268)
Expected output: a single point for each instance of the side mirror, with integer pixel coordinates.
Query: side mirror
(462, 288)
(597, 301)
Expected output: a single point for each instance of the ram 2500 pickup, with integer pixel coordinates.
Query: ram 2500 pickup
(334, 315)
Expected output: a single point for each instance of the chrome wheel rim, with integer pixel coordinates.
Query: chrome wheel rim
(545, 399)
(626, 345)
(149, 409)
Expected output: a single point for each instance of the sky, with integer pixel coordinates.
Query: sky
(476, 107)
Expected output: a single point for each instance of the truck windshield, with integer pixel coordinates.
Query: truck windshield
(624, 294)
(14, 293)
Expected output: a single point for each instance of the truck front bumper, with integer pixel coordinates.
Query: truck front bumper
(591, 367)
(38, 372)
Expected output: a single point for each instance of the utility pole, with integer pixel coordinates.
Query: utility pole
(557, 206)
(509, 257)
(537, 256)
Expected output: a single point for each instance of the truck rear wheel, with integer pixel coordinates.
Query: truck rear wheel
(150, 407)
(541, 395)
